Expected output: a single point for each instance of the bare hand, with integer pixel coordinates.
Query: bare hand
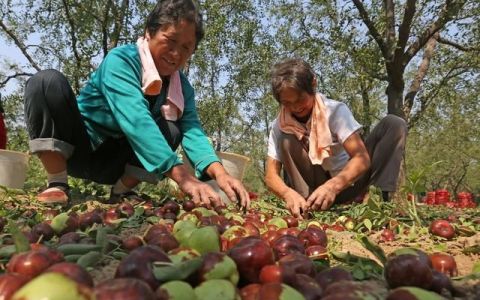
(295, 203)
(198, 191)
(322, 198)
(201, 193)
(234, 189)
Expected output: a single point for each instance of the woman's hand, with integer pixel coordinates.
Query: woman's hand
(234, 189)
(295, 203)
(293, 200)
(322, 198)
(198, 191)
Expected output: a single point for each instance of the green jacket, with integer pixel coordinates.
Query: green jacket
(113, 105)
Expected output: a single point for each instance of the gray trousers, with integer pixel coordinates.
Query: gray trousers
(385, 145)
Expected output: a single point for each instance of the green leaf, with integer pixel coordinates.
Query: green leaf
(372, 204)
(119, 254)
(19, 239)
(440, 247)
(368, 224)
(176, 272)
(373, 248)
(59, 222)
(89, 259)
(358, 274)
(101, 239)
(153, 219)
(7, 251)
(139, 210)
(352, 259)
(321, 264)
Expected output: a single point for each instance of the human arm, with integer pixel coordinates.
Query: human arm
(118, 81)
(201, 153)
(324, 196)
(293, 200)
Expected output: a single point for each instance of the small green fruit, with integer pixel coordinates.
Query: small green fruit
(53, 286)
(205, 212)
(182, 231)
(279, 222)
(180, 255)
(216, 289)
(59, 222)
(234, 232)
(218, 265)
(188, 216)
(235, 217)
(205, 239)
(177, 290)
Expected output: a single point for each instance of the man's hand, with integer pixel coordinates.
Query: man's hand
(234, 189)
(322, 198)
(295, 203)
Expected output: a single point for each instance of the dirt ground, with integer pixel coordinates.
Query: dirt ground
(464, 262)
(346, 242)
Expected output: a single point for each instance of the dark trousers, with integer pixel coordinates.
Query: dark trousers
(54, 123)
(3, 132)
(385, 145)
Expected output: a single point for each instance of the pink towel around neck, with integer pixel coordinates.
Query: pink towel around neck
(152, 83)
(320, 138)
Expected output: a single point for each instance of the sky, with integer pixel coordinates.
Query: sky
(11, 53)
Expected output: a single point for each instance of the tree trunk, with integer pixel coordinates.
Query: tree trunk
(394, 92)
(367, 119)
(395, 98)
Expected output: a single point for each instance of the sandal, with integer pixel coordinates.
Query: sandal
(56, 193)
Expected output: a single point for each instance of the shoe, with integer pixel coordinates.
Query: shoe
(117, 198)
(57, 193)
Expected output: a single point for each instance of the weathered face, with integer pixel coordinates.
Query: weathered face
(299, 103)
(172, 45)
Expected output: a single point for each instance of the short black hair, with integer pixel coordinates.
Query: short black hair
(173, 11)
(292, 72)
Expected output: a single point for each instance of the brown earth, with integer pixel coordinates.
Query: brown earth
(346, 242)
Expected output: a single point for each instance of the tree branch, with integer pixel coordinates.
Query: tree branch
(74, 43)
(421, 73)
(371, 27)
(20, 45)
(404, 29)
(367, 121)
(10, 77)
(457, 46)
(389, 6)
(117, 29)
(450, 9)
(465, 166)
(105, 27)
(425, 101)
